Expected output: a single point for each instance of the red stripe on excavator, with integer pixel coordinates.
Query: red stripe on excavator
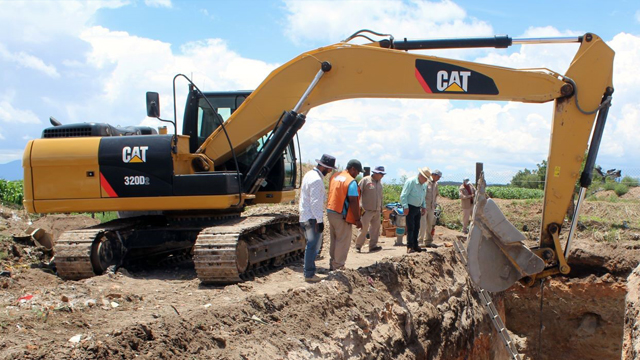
(106, 187)
(422, 82)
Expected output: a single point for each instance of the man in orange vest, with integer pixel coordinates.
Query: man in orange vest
(343, 210)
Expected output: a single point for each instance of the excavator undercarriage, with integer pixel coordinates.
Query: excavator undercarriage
(225, 249)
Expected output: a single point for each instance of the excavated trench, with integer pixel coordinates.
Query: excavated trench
(581, 316)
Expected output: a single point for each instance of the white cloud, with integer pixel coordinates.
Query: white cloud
(158, 3)
(132, 65)
(41, 21)
(415, 18)
(25, 60)
(11, 115)
(206, 13)
(10, 155)
(407, 134)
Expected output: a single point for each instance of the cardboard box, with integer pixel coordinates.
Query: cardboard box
(390, 232)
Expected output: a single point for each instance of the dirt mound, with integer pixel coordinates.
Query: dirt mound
(15, 221)
(57, 224)
(605, 195)
(632, 194)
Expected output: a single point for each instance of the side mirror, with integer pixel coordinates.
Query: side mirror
(153, 104)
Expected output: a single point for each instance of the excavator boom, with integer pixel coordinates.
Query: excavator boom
(383, 70)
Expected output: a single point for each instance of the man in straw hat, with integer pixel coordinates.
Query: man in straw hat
(412, 199)
(428, 220)
(467, 193)
(371, 202)
(312, 197)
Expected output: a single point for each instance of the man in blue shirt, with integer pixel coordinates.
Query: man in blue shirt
(412, 199)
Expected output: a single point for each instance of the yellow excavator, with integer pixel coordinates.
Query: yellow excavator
(187, 191)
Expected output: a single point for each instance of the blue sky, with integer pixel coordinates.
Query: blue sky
(94, 61)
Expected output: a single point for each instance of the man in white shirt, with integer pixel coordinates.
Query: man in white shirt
(312, 203)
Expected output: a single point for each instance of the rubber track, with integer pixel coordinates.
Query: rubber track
(73, 253)
(215, 249)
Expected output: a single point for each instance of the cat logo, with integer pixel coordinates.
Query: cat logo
(457, 81)
(136, 154)
(436, 77)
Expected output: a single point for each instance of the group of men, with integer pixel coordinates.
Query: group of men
(351, 203)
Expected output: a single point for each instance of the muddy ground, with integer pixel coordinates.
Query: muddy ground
(386, 304)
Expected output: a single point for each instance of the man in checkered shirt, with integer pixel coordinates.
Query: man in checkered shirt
(312, 204)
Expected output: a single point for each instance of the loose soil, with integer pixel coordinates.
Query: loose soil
(386, 304)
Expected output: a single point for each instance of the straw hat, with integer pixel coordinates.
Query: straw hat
(426, 172)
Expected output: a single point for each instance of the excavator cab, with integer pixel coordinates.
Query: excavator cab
(205, 112)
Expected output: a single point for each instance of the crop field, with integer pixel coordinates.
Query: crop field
(11, 192)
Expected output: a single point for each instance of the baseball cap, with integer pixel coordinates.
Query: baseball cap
(355, 164)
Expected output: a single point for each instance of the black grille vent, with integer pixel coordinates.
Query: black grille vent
(58, 132)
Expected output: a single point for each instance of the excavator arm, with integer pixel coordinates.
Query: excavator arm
(385, 69)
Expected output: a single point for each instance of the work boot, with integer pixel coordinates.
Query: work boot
(432, 245)
(375, 248)
(313, 279)
(358, 249)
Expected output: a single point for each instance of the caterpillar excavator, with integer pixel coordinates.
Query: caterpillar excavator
(188, 191)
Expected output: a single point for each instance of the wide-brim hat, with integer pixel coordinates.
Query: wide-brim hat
(327, 161)
(379, 170)
(426, 172)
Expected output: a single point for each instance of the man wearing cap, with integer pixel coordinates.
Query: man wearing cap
(371, 201)
(467, 193)
(412, 199)
(343, 210)
(312, 196)
(428, 220)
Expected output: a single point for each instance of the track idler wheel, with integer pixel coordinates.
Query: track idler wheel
(107, 250)
(242, 256)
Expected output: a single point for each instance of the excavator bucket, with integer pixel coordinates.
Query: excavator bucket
(497, 258)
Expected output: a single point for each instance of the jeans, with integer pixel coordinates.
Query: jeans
(413, 226)
(314, 242)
